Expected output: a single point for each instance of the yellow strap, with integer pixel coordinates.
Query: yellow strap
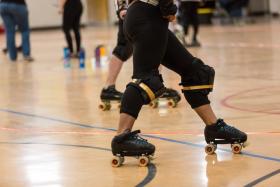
(146, 89)
(205, 11)
(197, 87)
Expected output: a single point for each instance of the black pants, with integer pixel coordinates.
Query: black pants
(123, 49)
(190, 17)
(153, 44)
(71, 20)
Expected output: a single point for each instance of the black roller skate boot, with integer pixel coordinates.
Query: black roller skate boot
(132, 145)
(172, 96)
(109, 94)
(221, 133)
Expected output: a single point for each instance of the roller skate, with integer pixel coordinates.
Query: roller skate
(130, 144)
(221, 133)
(172, 97)
(108, 95)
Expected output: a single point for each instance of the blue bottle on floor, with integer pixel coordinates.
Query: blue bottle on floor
(66, 57)
(82, 57)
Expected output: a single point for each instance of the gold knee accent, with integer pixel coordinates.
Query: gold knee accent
(200, 87)
(146, 89)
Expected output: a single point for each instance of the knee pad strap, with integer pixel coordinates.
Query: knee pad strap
(146, 88)
(199, 84)
(200, 87)
(202, 80)
(150, 87)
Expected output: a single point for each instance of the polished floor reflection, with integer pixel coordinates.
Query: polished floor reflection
(52, 133)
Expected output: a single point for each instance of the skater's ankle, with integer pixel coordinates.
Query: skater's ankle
(215, 125)
(108, 86)
(122, 131)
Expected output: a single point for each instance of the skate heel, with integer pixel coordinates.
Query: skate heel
(130, 144)
(221, 133)
(108, 96)
(172, 97)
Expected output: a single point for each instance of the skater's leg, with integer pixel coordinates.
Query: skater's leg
(195, 23)
(67, 26)
(125, 123)
(148, 50)
(115, 66)
(76, 28)
(197, 82)
(178, 59)
(186, 19)
(207, 114)
(121, 53)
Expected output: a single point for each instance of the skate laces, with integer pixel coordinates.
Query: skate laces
(135, 136)
(227, 128)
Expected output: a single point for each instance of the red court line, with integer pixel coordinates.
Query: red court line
(225, 102)
(101, 132)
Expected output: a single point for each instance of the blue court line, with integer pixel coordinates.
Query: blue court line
(150, 136)
(152, 169)
(56, 120)
(219, 149)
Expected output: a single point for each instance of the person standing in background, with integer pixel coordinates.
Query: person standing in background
(189, 16)
(15, 14)
(72, 11)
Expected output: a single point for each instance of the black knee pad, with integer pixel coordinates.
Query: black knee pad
(150, 87)
(199, 84)
(123, 52)
(131, 102)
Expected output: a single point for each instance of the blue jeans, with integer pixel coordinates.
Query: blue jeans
(16, 15)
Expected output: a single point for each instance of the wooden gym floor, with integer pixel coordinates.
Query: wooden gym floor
(52, 133)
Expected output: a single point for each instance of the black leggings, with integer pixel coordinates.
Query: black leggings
(123, 49)
(71, 20)
(153, 44)
(190, 17)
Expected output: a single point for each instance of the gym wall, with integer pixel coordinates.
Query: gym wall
(44, 13)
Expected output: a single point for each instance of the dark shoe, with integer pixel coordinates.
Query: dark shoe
(131, 144)
(223, 132)
(171, 94)
(111, 93)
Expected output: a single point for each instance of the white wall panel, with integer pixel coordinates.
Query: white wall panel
(44, 13)
(274, 6)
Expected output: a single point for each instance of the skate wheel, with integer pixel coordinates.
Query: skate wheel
(143, 161)
(172, 103)
(154, 104)
(210, 149)
(105, 106)
(117, 162)
(236, 148)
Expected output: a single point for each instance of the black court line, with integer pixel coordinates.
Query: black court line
(152, 170)
(261, 179)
